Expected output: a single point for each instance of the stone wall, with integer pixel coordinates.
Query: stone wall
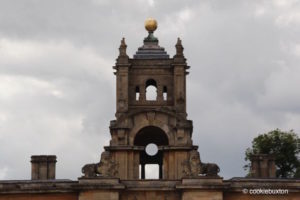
(114, 189)
(43, 196)
(241, 196)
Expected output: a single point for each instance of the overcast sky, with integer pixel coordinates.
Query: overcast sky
(57, 88)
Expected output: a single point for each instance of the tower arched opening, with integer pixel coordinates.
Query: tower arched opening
(151, 135)
(151, 90)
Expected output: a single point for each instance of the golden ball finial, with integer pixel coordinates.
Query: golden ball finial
(150, 24)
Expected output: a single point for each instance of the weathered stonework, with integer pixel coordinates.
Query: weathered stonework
(161, 121)
(105, 168)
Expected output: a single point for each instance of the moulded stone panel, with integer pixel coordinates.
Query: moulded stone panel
(133, 164)
(171, 165)
(150, 195)
(122, 160)
(128, 164)
(202, 195)
(181, 156)
(172, 168)
(181, 137)
(99, 195)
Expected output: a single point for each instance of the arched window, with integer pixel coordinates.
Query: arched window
(165, 93)
(151, 90)
(137, 93)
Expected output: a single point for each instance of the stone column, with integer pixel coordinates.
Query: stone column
(122, 89)
(179, 92)
(142, 93)
(142, 171)
(160, 171)
(160, 97)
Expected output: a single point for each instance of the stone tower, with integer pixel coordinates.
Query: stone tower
(161, 120)
(143, 121)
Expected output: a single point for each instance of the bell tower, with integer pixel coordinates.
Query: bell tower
(151, 66)
(160, 119)
(150, 128)
(151, 153)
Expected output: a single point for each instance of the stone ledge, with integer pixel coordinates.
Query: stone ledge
(99, 180)
(162, 185)
(37, 186)
(203, 180)
(99, 183)
(202, 183)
